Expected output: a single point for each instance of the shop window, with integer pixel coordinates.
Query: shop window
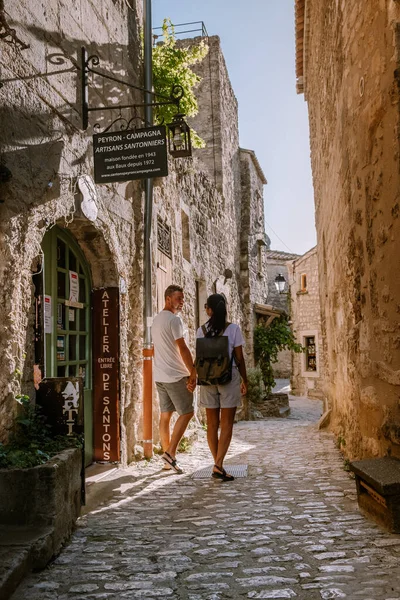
(311, 353)
(303, 282)
(185, 236)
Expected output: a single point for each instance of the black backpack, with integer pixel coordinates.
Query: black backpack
(213, 363)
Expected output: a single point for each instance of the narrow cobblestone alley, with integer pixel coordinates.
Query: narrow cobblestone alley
(291, 529)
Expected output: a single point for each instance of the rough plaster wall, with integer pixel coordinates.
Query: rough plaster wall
(352, 92)
(306, 317)
(43, 146)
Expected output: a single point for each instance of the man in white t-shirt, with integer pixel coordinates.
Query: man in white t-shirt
(174, 373)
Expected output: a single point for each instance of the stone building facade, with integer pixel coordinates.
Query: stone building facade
(348, 69)
(276, 265)
(308, 368)
(56, 257)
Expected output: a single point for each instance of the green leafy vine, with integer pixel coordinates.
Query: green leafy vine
(268, 342)
(171, 66)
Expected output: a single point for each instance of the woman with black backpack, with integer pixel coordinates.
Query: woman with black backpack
(223, 384)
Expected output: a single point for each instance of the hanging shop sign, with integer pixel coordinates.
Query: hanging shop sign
(106, 374)
(61, 399)
(131, 154)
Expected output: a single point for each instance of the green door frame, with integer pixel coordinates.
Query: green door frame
(68, 348)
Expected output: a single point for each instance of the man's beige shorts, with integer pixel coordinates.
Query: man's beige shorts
(222, 396)
(175, 396)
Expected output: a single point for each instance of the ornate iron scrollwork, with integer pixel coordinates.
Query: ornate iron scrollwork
(8, 34)
(88, 64)
(123, 124)
(164, 238)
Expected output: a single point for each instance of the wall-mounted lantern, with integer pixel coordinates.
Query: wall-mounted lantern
(280, 283)
(179, 142)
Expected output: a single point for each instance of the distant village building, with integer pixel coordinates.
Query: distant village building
(71, 253)
(276, 265)
(308, 368)
(347, 67)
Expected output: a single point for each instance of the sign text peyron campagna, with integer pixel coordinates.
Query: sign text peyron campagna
(131, 154)
(106, 374)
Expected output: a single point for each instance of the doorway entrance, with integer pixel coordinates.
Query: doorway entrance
(68, 343)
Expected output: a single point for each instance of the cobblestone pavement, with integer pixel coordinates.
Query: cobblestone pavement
(291, 529)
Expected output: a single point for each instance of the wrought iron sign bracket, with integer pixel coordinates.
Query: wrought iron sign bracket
(87, 66)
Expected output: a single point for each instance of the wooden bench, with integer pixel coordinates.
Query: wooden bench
(378, 490)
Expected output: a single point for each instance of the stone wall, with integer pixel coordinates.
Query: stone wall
(352, 89)
(45, 149)
(305, 315)
(217, 122)
(253, 244)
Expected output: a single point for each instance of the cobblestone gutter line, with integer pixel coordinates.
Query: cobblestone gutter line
(292, 529)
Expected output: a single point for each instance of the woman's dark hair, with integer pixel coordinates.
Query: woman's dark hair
(217, 321)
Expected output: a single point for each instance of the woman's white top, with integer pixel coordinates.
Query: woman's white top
(233, 333)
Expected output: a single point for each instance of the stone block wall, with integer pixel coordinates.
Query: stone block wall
(352, 89)
(305, 314)
(217, 122)
(47, 496)
(253, 245)
(45, 148)
(209, 228)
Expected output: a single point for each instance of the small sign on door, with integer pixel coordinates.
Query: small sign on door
(73, 286)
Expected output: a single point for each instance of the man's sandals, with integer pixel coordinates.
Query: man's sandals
(172, 463)
(221, 474)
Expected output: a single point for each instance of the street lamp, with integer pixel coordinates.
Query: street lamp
(280, 283)
(179, 143)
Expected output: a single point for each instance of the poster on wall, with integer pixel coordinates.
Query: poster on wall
(106, 374)
(47, 314)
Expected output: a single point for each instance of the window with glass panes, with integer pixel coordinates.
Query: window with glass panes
(67, 281)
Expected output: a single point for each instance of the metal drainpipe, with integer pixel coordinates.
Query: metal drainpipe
(148, 216)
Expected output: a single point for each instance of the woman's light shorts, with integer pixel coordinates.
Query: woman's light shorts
(222, 396)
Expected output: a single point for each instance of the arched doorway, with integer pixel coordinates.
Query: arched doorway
(68, 330)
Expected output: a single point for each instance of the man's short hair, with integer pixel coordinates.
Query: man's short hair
(171, 289)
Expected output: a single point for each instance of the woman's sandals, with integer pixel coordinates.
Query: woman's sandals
(172, 463)
(221, 474)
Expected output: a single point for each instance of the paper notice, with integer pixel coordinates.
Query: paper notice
(73, 286)
(47, 314)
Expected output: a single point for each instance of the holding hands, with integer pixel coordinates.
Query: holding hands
(192, 381)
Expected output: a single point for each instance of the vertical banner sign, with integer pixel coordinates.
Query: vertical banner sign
(106, 374)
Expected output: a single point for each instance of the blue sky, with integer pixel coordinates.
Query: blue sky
(257, 38)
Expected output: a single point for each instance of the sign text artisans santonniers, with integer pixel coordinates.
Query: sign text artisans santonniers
(128, 155)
